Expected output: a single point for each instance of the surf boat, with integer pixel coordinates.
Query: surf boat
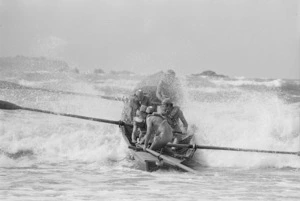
(150, 160)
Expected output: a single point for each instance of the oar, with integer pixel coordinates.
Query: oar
(231, 149)
(123, 99)
(79, 94)
(18, 86)
(10, 106)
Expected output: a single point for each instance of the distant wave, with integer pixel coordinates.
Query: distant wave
(36, 83)
(292, 87)
(243, 82)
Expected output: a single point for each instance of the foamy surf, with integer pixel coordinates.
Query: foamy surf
(76, 159)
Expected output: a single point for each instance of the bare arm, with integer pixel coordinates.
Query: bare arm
(133, 137)
(159, 94)
(132, 108)
(148, 133)
(184, 122)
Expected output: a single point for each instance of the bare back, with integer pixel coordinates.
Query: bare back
(160, 129)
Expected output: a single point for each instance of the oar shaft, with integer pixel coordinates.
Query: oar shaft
(10, 106)
(72, 93)
(231, 149)
(77, 116)
(244, 150)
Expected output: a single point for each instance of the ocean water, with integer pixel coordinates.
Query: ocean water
(73, 159)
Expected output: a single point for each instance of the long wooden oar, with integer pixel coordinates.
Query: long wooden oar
(10, 106)
(79, 94)
(18, 86)
(231, 149)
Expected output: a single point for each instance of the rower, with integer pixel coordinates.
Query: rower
(173, 114)
(139, 124)
(142, 98)
(159, 130)
(135, 102)
(149, 111)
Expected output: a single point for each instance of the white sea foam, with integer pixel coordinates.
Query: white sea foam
(253, 121)
(78, 159)
(55, 139)
(36, 83)
(242, 82)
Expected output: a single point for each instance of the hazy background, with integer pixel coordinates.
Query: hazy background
(251, 38)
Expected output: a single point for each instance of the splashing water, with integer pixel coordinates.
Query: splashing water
(82, 160)
(247, 119)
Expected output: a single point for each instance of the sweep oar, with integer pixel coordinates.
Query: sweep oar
(10, 106)
(231, 149)
(123, 99)
(18, 86)
(78, 94)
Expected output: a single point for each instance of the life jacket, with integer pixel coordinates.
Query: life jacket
(173, 116)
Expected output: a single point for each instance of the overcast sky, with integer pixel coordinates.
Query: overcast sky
(251, 38)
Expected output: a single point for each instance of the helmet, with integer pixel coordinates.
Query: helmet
(139, 93)
(150, 110)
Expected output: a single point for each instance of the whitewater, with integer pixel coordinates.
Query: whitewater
(73, 159)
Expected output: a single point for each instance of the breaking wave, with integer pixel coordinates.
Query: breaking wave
(222, 113)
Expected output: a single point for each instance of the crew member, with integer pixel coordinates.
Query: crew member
(158, 129)
(139, 123)
(173, 114)
(135, 102)
(141, 98)
(169, 87)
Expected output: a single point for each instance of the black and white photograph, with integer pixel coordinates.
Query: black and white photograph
(149, 100)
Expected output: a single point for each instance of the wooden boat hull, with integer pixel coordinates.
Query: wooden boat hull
(144, 160)
(151, 160)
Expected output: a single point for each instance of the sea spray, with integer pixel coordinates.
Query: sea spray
(248, 119)
(222, 113)
(55, 139)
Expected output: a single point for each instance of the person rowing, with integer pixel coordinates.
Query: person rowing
(142, 98)
(135, 102)
(159, 130)
(139, 123)
(173, 114)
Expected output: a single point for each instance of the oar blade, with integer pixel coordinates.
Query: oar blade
(4, 105)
